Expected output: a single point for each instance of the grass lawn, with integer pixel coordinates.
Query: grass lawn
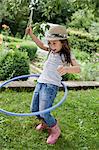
(77, 117)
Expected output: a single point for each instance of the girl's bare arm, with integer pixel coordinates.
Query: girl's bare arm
(74, 68)
(36, 40)
(39, 42)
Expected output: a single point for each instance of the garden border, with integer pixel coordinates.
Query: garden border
(70, 84)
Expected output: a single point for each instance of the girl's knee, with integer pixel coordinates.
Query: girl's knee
(44, 116)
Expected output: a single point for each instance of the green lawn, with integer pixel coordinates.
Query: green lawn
(77, 117)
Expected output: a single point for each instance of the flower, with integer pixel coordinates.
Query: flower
(97, 54)
(17, 46)
(5, 26)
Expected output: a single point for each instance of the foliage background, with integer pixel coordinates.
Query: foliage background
(80, 18)
(80, 14)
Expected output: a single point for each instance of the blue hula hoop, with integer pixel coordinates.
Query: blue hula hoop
(34, 113)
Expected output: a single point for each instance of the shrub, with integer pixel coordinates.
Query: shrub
(28, 47)
(11, 39)
(83, 41)
(12, 45)
(82, 18)
(94, 29)
(81, 56)
(67, 77)
(89, 71)
(13, 63)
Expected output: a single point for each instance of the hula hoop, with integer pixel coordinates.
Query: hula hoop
(34, 113)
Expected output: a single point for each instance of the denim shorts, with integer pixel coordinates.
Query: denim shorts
(43, 98)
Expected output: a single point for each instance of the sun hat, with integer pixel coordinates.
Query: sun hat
(57, 32)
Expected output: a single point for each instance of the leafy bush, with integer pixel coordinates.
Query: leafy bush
(83, 41)
(16, 13)
(28, 47)
(82, 18)
(67, 77)
(13, 63)
(89, 65)
(11, 39)
(94, 28)
(89, 71)
(81, 56)
(0, 47)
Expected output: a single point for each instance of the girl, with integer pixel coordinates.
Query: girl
(59, 62)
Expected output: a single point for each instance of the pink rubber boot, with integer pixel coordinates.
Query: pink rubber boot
(41, 127)
(54, 135)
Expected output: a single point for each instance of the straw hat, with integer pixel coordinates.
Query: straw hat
(57, 32)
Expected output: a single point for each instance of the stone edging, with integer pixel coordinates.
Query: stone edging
(70, 84)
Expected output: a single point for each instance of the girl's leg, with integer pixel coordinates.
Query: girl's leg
(35, 99)
(46, 98)
(35, 106)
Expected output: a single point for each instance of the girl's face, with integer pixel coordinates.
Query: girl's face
(55, 45)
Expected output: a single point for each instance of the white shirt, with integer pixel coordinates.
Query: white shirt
(50, 74)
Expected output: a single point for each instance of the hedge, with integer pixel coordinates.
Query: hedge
(83, 41)
(11, 39)
(13, 63)
(29, 47)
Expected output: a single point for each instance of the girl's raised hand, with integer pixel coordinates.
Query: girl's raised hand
(29, 31)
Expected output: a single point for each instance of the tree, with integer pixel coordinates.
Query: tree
(89, 4)
(15, 15)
